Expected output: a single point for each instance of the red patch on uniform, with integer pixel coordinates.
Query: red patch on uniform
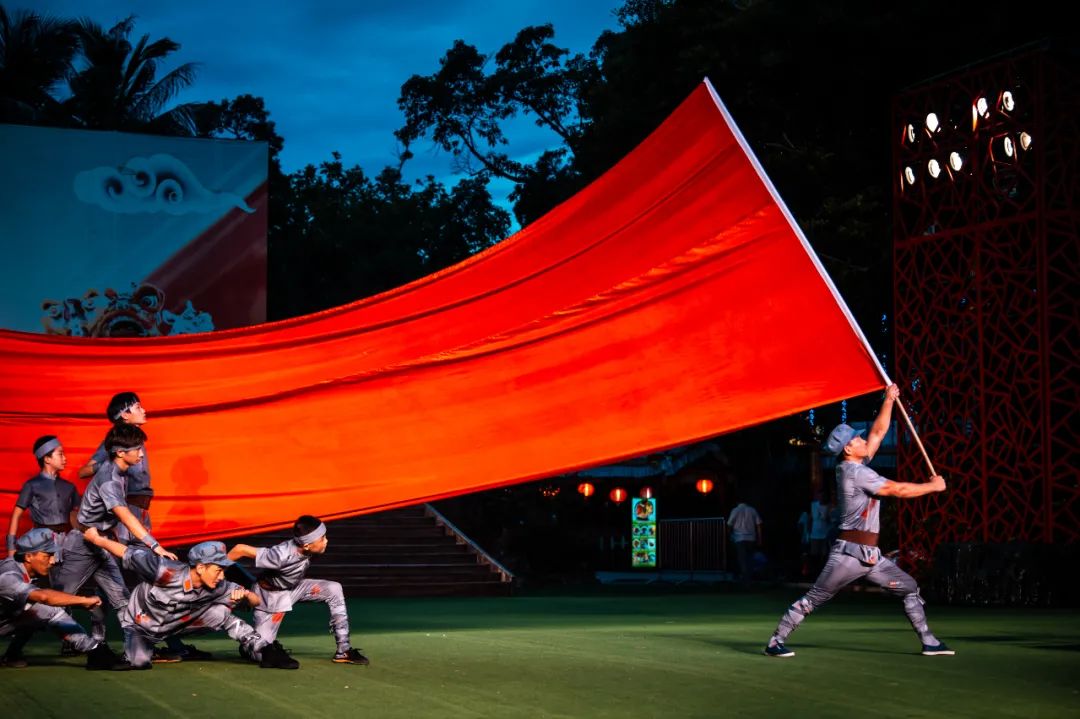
(141, 618)
(278, 616)
(316, 590)
(186, 618)
(166, 576)
(197, 623)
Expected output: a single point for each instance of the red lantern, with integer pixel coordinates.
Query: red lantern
(586, 489)
(618, 495)
(646, 493)
(704, 486)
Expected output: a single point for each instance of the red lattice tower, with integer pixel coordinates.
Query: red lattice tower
(987, 281)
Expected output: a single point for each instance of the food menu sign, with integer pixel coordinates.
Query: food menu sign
(643, 532)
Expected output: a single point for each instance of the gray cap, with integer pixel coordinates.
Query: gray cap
(839, 438)
(209, 553)
(38, 539)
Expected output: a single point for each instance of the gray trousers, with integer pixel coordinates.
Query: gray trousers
(139, 645)
(55, 619)
(841, 570)
(268, 623)
(81, 561)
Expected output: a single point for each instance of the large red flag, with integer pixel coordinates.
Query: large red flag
(672, 300)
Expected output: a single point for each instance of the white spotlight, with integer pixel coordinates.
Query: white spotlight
(955, 161)
(1007, 101)
(1025, 141)
(909, 132)
(1008, 145)
(982, 107)
(909, 175)
(932, 123)
(934, 168)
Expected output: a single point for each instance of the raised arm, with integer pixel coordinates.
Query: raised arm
(243, 551)
(910, 490)
(87, 470)
(880, 428)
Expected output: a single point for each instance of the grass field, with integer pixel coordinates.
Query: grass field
(618, 653)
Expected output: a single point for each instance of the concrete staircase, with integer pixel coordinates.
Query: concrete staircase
(412, 551)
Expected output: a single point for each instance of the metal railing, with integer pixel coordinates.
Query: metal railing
(697, 544)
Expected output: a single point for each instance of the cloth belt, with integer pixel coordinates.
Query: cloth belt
(142, 501)
(58, 528)
(859, 537)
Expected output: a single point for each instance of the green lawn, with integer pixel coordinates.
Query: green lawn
(618, 653)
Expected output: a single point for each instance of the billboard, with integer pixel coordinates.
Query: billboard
(108, 234)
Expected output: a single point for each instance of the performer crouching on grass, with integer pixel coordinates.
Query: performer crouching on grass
(282, 584)
(855, 553)
(24, 608)
(176, 599)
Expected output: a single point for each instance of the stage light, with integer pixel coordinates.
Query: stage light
(646, 493)
(909, 133)
(932, 124)
(934, 168)
(1025, 141)
(1008, 103)
(586, 490)
(955, 161)
(909, 175)
(982, 107)
(618, 495)
(704, 486)
(1002, 148)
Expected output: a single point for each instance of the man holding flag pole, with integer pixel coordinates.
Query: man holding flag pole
(855, 553)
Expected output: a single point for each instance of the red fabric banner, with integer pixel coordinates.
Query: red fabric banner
(671, 300)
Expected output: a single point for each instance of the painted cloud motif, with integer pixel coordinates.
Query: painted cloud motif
(158, 183)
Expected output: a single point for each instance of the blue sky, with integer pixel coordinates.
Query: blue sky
(331, 70)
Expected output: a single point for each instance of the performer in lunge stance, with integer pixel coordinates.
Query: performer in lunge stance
(179, 599)
(855, 553)
(127, 408)
(24, 608)
(282, 585)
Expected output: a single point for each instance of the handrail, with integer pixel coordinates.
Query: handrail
(506, 574)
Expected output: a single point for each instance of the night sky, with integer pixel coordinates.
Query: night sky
(330, 71)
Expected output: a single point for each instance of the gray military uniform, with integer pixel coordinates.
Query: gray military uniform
(167, 603)
(138, 485)
(82, 560)
(20, 616)
(49, 499)
(283, 584)
(857, 486)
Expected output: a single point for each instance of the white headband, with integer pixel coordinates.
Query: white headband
(43, 451)
(312, 536)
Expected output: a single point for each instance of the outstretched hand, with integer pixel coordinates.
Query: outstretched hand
(162, 552)
(91, 602)
(938, 483)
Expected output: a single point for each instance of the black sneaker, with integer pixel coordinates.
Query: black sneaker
(274, 656)
(13, 660)
(102, 658)
(191, 653)
(353, 656)
(937, 650)
(161, 655)
(778, 650)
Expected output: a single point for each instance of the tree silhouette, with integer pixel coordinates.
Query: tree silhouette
(36, 55)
